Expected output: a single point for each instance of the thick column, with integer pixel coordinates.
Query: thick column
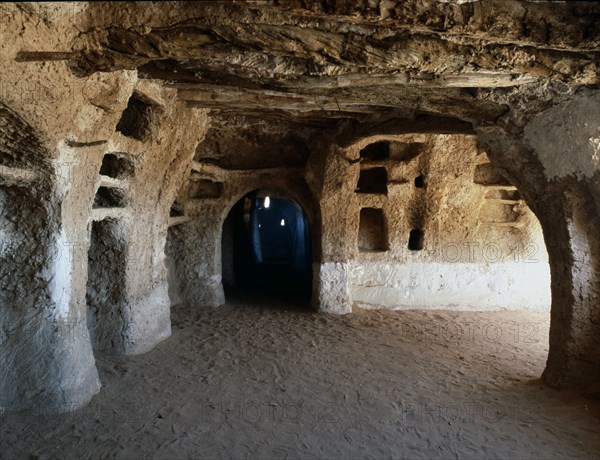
(199, 262)
(138, 238)
(555, 163)
(331, 289)
(46, 359)
(573, 240)
(147, 308)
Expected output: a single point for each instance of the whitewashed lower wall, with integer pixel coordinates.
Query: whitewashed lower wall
(457, 286)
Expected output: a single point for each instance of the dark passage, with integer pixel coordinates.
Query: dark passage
(266, 248)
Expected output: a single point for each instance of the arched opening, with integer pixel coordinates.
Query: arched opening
(563, 199)
(266, 248)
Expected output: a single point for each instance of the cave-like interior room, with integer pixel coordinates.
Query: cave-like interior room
(269, 229)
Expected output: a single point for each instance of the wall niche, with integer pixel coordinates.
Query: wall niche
(372, 180)
(116, 166)
(108, 197)
(415, 240)
(205, 188)
(378, 151)
(139, 115)
(372, 231)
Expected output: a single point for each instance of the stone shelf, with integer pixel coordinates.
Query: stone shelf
(111, 182)
(503, 201)
(178, 220)
(109, 213)
(498, 186)
(503, 224)
(386, 163)
(14, 176)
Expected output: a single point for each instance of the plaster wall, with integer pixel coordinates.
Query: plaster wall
(459, 286)
(479, 252)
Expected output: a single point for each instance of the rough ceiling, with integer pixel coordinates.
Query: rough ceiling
(309, 60)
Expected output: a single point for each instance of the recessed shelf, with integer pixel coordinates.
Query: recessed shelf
(109, 197)
(372, 181)
(116, 165)
(488, 176)
(111, 182)
(12, 176)
(205, 188)
(109, 213)
(138, 117)
(415, 239)
(372, 231)
(498, 187)
(504, 224)
(178, 220)
(503, 201)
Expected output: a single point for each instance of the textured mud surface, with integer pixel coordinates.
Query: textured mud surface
(128, 131)
(270, 380)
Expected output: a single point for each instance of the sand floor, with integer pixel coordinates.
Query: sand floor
(260, 382)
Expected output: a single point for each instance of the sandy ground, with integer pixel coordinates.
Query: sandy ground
(257, 381)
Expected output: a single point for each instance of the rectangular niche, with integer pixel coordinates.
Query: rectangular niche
(176, 210)
(372, 231)
(108, 197)
(205, 189)
(485, 174)
(391, 150)
(372, 180)
(377, 151)
(405, 152)
(116, 166)
(415, 239)
(139, 115)
(503, 195)
(498, 212)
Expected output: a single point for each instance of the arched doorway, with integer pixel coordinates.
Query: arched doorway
(266, 248)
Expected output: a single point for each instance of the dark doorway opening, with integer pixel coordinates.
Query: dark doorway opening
(266, 248)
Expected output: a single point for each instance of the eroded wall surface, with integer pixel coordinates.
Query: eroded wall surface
(83, 185)
(104, 167)
(480, 247)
